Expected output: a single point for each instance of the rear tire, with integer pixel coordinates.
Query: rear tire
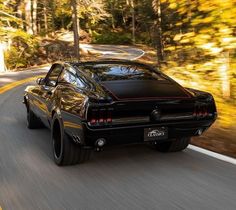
(65, 151)
(33, 121)
(174, 146)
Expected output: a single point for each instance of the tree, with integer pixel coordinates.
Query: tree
(75, 28)
(130, 3)
(34, 16)
(45, 17)
(2, 62)
(158, 28)
(28, 17)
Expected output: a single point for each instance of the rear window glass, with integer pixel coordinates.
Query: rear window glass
(110, 72)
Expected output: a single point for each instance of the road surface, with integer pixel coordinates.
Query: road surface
(125, 177)
(114, 51)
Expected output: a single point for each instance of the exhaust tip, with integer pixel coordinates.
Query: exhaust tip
(199, 132)
(100, 142)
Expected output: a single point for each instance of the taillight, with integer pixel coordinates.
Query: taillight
(109, 116)
(100, 117)
(200, 111)
(93, 121)
(109, 120)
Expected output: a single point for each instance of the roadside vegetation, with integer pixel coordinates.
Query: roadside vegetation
(192, 41)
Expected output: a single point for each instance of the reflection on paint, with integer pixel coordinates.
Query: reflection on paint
(72, 125)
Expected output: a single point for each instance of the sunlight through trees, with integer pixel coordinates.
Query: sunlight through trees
(194, 40)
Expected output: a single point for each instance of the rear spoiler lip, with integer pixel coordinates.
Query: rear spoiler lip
(151, 98)
(103, 102)
(107, 100)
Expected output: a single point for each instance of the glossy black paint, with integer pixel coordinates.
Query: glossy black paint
(95, 100)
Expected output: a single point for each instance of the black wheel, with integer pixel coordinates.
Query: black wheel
(65, 151)
(173, 146)
(32, 120)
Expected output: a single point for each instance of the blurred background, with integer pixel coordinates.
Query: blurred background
(193, 41)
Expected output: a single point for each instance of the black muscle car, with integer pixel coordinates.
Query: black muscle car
(88, 105)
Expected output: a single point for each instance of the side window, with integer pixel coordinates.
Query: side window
(53, 75)
(73, 78)
(69, 77)
(80, 83)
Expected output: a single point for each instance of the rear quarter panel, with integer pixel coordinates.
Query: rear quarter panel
(73, 106)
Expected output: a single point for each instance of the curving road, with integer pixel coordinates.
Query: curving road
(127, 177)
(114, 51)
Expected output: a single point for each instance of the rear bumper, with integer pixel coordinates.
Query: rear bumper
(135, 133)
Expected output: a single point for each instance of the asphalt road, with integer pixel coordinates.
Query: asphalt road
(114, 51)
(126, 177)
(11, 77)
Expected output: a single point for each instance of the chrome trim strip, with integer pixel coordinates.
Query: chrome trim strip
(128, 120)
(176, 117)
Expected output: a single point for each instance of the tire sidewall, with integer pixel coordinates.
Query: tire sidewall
(59, 159)
(28, 115)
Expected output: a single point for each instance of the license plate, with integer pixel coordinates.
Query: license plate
(153, 134)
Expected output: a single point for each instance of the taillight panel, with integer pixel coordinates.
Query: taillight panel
(100, 116)
(201, 111)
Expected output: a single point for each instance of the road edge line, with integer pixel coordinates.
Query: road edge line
(12, 85)
(213, 154)
(143, 53)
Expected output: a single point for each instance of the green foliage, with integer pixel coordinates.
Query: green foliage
(111, 38)
(7, 19)
(90, 13)
(144, 38)
(14, 59)
(196, 30)
(23, 50)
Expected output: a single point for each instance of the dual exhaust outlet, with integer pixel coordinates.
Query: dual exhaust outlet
(99, 143)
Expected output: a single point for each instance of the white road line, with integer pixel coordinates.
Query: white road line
(143, 53)
(116, 51)
(213, 154)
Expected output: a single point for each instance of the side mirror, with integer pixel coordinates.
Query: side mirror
(40, 81)
(51, 83)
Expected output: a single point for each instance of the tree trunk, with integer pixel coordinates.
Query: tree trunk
(45, 17)
(75, 28)
(19, 13)
(133, 20)
(28, 18)
(158, 32)
(112, 15)
(52, 8)
(224, 69)
(34, 17)
(130, 4)
(2, 63)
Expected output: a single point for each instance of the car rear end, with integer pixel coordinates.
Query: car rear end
(144, 106)
(134, 121)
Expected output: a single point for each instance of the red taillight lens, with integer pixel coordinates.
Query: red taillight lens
(109, 116)
(100, 117)
(93, 121)
(101, 120)
(200, 111)
(109, 120)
